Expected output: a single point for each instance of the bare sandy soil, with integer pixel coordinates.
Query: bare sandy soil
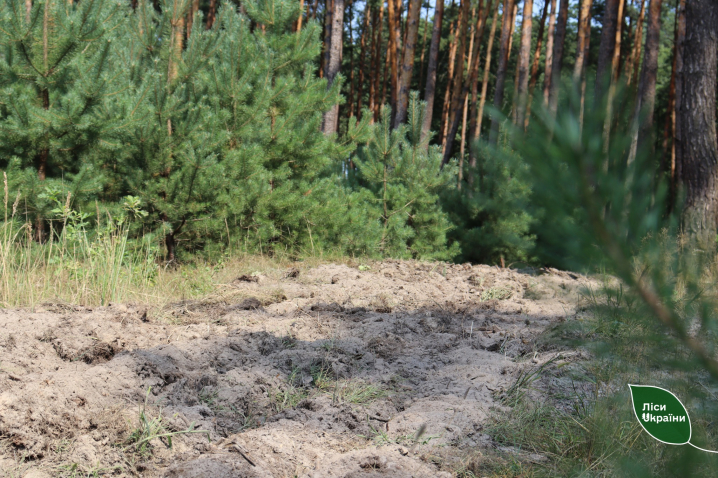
(333, 371)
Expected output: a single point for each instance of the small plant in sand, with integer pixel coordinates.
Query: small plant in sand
(516, 392)
(498, 293)
(150, 428)
(289, 396)
(75, 470)
(381, 437)
(210, 397)
(348, 391)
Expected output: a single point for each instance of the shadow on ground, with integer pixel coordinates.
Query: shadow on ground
(334, 372)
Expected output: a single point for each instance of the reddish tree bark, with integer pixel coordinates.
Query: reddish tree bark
(457, 115)
(669, 135)
(298, 23)
(634, 62)
(506, 28)
(194, 8)
(352, 85)
(514, 12)
(464, 112)
(211, 14)
(617, 43)
(535, 64)
(423, 43)
(646, 100)
(487, 69)
(474, 84)
(523, 64)
(613, 78)
(430, 90)
(584, 27)
(178, 30)
(407, 65)
(557, 61)
(362, 58)
(447, 93)
(549, 52)
(374, 102)
(456, 102)
(607, 46)
(392, 10)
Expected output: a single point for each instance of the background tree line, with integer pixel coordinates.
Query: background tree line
(276, 123)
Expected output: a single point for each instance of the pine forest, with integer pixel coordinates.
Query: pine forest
(535, 180)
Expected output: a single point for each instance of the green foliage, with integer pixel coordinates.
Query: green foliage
(213, 141)
(655, 322)
(404, 176)
(492, 211)
(233, 138)
(216, 137)
(55, 72)
(150, 428)
(589, 188)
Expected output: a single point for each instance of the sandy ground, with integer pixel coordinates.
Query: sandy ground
(334, 371)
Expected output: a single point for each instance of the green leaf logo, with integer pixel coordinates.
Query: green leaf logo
(661, 414)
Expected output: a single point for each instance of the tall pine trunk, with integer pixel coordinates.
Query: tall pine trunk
(607, 46)
(423, 44)
(487, 70)
(584, 29)
(474, 85)
(407, 66)
(557, 61)
(399, 25)
(362, 59)
(212, 14)
(612, 85)
(501, 69)
(535, 64)
(584, 37)
(646, 100)
(617, 43)
(549, 52)
(393, 58)
(628, 45)
(447, 92)
(514, 12)
(326, 44)
(331, 117)
(465, 102)
(374, 102)
(178, 31)
(670, 128)
(352, 83)
(456, 101)
(523, 66)
(511, 41)
(430, 91)
(464, 117)
(696, 122)
(635, 59)
(458, 112)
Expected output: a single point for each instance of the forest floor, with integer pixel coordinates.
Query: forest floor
(390, 368)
